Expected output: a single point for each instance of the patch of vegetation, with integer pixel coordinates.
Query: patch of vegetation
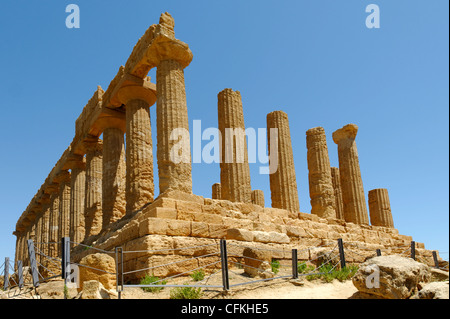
(327, 273)
(66, 292)
(152, 280)
(275, 264)
(198, 275)
(304, 268)
(185, 293)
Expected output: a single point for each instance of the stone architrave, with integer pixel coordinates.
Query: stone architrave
(320, 181)
(355, 209)
(234, 167)
(283, 183)
(380, 208)
(93, 188)
(339, 206)
(77, 165)
(258, 197)
(216, 191)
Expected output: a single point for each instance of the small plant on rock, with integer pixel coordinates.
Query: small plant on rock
(185, 293)
(150, 280)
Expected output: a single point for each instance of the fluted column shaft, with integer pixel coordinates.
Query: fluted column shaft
(355, 208)
(216, 191)
(339, 205)
(258, 197)
(171, 114)
(380, 208)
(283, 183)
(53, 225)
(139, 155)
(320, 181)
(45, 228)
(114, 176)
(93, 188)
(64, 204)
(77, 201)
(234, 167)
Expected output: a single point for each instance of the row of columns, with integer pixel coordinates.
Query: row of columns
(111, 181)
(339, 192)
(334, 192)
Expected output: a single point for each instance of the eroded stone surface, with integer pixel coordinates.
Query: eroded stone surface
(283, 183)
(321, 189)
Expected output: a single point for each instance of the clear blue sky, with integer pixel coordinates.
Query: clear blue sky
(316, 60)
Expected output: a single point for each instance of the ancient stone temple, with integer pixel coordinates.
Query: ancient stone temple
(101, 192)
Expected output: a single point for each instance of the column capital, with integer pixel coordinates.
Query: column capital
(44, 199)
(92, 144)
(62, 177)
(163, 48)
(52, 188)
(130, 88)
(349, 131)
(76, 161)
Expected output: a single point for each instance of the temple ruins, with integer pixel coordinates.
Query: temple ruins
(102, 194)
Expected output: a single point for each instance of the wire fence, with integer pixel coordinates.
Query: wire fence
(220, 265)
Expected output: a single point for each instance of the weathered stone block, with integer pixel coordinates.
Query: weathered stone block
(239, 234)
(199, 229)
(217, 231)
(162, 212)
(178, 228)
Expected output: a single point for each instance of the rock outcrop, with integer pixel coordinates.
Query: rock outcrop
(391, 277)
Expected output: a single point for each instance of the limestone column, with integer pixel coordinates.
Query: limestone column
(258, 197)
(63, 178)
(283, 183)
(77, 165)
(37, 233)
(216, 191)
(172, 128)
(339, 206)
(355, 209)
(114, 176)
(93, 188)
(45, 228)
(53, 222)
(234, 167)
(170, 56)
(380, 208)
(137, 95)
(321, 189)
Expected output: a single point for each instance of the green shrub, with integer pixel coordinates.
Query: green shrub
(198, 275)
(185, 293)
(275, 264)
(328, 274)
(150, 280)
(304, 268)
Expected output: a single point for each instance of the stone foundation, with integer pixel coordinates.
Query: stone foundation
(181, 220)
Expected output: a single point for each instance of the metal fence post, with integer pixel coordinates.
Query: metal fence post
(20, 273)
(294, 264)
(32, 256)
(119, 274)
(65, 258)
(224, 261)
(6, 274)
(436, 261)
(413, 250)
(341, 252)
(378, 252)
